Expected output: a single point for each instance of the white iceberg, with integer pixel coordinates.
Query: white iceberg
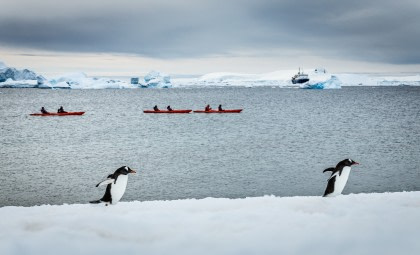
(155, 79)
(332, 83)
(385, 223)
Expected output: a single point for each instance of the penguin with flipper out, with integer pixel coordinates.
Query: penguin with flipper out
(339, 176)
(116, 184)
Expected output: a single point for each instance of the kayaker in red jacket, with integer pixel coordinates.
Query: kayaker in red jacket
(208, 108)
(43, 110)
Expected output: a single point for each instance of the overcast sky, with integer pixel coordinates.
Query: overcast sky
(199, 36)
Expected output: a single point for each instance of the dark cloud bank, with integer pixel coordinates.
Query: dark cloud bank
(376, 31)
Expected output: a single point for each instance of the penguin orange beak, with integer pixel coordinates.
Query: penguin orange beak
(132, 171)
(355, 163)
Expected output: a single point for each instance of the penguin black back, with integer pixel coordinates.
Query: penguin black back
(339, 177)
(114, 193)
(339, 167)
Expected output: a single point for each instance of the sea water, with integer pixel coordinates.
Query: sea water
(278, 145)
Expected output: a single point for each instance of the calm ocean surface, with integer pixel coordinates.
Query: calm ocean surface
(278, 145)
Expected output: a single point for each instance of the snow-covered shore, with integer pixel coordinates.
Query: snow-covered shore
(385, 223)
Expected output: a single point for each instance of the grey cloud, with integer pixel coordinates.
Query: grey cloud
(377, 31)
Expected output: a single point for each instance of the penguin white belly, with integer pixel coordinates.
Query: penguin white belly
(341, 180)
(118, 189)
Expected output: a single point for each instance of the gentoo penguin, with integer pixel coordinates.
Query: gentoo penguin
(116, 184)
(339, 176)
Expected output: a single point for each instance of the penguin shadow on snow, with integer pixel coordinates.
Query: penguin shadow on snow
(116, 184)
(339, 176)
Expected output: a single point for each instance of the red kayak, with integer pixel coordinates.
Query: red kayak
(57, 114)
(217, 111)
(165, 111)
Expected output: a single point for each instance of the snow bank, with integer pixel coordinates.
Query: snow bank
(352, 224)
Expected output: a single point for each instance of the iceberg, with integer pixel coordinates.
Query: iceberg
(332, 83)
(385, 223)
(11, 77)
(155, 79)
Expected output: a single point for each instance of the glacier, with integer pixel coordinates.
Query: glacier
(376, 223)
(332, 83)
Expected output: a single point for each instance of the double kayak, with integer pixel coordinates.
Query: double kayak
(165, 111)
(57, 114)
(217, 111)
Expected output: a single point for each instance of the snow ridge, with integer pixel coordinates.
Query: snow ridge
(352, 224)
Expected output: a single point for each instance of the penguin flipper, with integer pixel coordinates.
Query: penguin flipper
(95, 202)
(331, 169)
(107, 181)
(330, 186)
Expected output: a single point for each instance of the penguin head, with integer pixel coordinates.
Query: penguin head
(349, 162)
(125, 170)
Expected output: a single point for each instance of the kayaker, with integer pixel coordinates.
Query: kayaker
(43, 110)
(169, 108)
(208, 108)
(61, 110)
(220, 108)
(155, 108)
